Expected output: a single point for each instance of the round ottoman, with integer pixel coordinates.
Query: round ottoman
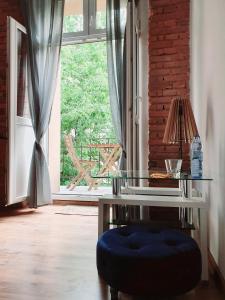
(139, 260)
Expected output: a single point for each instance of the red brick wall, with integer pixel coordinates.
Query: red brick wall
(168, 71)
(7, 8)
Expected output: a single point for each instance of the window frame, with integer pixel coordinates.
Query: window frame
(89, 33)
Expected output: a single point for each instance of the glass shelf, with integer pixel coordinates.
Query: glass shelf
(150, 175)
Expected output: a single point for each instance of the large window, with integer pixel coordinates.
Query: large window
(84, 19)
(85, 107)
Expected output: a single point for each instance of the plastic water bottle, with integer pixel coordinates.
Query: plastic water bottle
(196, 158)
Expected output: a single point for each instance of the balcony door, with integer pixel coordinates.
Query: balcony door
(21, 136)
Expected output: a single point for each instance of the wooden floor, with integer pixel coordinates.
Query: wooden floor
(45, 255)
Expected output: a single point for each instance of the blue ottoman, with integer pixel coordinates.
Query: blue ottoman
(139, 260)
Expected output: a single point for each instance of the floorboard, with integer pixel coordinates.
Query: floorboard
(45, 255)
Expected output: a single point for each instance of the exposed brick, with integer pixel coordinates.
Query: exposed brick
(168, 58)
(169, 64)
(175, 64)
(157, 65)
(159, 107)
(161, 44)
(166, 3)
(161, 71)
(157, 120)
(164, 51)
(174, 78)
(177, 36)
(7, 8)
(179, 84)
(167, 30)
(170, 92)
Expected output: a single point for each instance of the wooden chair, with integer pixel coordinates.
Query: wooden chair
(110, 154)
(82, 166)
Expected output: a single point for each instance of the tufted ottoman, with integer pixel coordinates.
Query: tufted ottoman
(142, 261)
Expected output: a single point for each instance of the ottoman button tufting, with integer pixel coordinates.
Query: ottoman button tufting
(141, 261)
(171, 243)
(134, 247)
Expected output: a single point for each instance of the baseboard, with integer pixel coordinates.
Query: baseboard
(17, 205)
(215, 273)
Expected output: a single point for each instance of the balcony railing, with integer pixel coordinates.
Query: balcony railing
(83, 152)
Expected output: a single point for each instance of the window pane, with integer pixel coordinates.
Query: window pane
(100, 14)
(73, 16)
(22, 95)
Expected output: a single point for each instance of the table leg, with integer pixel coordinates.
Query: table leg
(186, 214)
(195, 232)
(103, 218)
(203, 242)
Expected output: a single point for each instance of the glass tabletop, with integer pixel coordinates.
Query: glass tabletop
(148, 174)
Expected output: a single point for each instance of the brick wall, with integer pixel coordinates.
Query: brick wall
(168, 72)
(7, 8)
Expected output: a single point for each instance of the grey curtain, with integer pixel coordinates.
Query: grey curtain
(43, 21)
(115, 32)
(116, 19)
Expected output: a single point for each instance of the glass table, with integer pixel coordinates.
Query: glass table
(184, 197)
(123, 178)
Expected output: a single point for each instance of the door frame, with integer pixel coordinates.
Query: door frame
(13, 119)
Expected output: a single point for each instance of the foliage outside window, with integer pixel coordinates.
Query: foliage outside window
(85, 101)
(85, 108)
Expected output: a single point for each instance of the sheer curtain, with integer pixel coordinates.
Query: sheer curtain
(115, 31)
(43, 21)
(119, 30)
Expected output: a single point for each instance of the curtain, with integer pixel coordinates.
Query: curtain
(116, 20)
(43, 21)
(115, 33)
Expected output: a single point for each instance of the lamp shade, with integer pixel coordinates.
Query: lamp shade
(180, 126)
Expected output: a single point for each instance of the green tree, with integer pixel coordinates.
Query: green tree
(85, 98)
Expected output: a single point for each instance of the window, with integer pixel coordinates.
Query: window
(84, 20)
(22, 92)
(100, 14)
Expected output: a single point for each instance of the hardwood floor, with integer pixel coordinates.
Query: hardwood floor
(47, 255)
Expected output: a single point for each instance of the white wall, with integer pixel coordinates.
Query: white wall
(208, 99)
(143, 83)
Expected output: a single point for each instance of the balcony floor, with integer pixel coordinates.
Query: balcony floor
(81, 193)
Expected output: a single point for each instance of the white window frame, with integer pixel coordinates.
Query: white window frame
(14, 180)
(137, 86)
(89, 33)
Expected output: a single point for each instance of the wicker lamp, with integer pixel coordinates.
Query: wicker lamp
(180, 126)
